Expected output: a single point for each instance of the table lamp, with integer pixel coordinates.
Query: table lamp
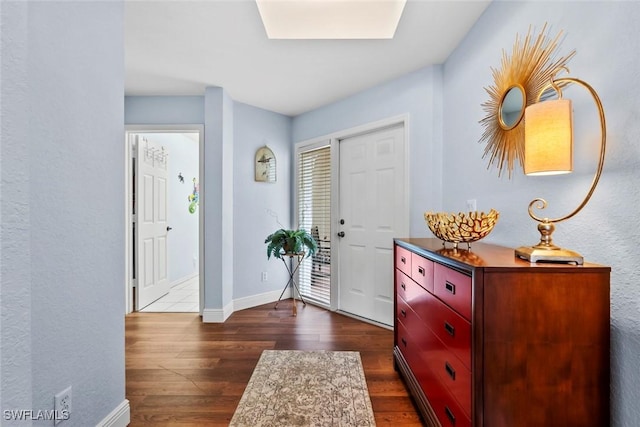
(549, 150)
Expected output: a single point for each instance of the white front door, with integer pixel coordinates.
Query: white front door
(372, 211)
(151, 221)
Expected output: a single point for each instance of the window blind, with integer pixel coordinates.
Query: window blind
(314, 215)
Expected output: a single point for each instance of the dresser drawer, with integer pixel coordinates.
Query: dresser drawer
(403, 260)
(413, 324)
(451, 373)
(415, 295)
(422, 271)
(412, 354)
(405, 286)
(423, 303)
(447, 409)
(447, 398)
(453, 330)
(454, 288)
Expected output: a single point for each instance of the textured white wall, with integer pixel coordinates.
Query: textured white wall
(62, 207)
(606, 37)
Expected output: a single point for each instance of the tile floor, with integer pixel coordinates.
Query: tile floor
(182, 298)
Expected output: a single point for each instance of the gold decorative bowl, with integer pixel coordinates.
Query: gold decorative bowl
(461, 227)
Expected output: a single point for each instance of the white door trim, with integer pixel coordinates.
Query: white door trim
(334, 138)
(131, 129)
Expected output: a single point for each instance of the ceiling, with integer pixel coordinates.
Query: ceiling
(180, 47)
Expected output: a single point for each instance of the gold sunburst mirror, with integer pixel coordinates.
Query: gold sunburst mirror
(520, 78)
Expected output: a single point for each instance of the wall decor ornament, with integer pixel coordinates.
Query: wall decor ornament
(265, 165)
(194, 197)
(518, 81)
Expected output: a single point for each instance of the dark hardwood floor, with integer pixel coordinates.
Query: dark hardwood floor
(182, 372)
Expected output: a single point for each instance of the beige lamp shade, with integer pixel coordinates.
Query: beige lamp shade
(548, 138)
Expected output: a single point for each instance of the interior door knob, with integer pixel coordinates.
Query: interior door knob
(341, 234)
(169, 228)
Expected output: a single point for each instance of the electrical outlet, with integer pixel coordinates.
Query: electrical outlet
(264, 276)
(471, 205)
(62, 406)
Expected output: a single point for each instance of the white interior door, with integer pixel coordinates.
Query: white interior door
(372, 211)
(151, 222)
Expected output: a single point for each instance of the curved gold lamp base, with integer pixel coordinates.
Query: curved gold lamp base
(545, 254)
(545, 250)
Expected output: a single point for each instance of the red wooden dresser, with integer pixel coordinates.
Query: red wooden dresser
(485, 339)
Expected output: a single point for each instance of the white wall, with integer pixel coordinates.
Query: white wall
(606, 37)
(183, 241)
(253, 128)
(62, 222)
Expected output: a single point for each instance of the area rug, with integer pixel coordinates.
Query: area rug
(306, 388)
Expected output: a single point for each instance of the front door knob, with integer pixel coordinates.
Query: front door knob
(341, 234)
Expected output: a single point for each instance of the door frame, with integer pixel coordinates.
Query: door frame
(142, 129)
(334, 141)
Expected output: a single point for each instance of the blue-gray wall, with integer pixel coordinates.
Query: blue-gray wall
(236, 209)
(606, 37)
(446, 159)
(254, 201)
(58, 142)
(164, 110)
(417, 94)
(62, 212)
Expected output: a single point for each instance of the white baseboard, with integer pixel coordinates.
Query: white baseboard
(217, 315)
(256, 300)
(220, 315)
(119, 417)
(364, 319)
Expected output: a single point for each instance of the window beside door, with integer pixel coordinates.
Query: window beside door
(314, 215)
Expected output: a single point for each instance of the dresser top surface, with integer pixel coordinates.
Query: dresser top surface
(481, 255)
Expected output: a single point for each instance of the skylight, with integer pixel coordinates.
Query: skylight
(330, 19)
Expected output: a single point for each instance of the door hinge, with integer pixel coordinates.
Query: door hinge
(134, 283)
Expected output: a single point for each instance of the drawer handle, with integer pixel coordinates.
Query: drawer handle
(403, 286)
(421, 270)
(452, 418)
(403, 341)
(450, 370)
(450, 329)
(403, 260)
(404, 313)
(450, 287)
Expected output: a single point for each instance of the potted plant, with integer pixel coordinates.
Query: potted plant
(286, 241)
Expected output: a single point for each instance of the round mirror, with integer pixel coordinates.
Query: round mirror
(512, 107)
(517, 82)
